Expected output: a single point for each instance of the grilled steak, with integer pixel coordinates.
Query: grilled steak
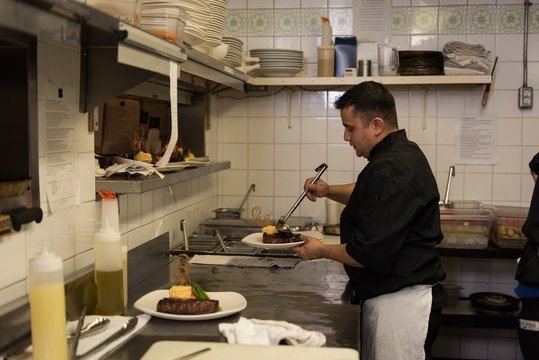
(280, 237)
(187, 306)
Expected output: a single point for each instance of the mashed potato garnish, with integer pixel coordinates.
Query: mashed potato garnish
(181, 292)
(270, 229)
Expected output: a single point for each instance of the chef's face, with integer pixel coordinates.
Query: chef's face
(360, 136)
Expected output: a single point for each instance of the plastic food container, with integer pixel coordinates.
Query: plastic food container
(167, 23)
(466, 228)
(453, 293)
(509, 221)
(122, 9)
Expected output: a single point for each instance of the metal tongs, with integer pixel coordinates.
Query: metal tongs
(281, 224)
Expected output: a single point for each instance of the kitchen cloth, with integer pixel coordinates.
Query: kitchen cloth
(270, 332)
(244, 261)
(116, 322)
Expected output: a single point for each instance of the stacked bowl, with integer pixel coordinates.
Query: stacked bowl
(234, 54)
(278, 62)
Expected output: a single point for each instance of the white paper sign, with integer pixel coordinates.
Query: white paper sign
(62, 184)
(372, 20)
(476, 139)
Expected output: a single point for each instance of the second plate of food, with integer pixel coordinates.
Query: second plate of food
(256, 240)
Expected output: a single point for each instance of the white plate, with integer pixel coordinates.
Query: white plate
(230, 303)
(172, 166)
(255, 240)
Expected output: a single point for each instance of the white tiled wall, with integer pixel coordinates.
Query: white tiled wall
(277, 147)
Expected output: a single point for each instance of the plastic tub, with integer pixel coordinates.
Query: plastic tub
(167, 23)
(122, 9)
(466, 228)
(509, 221)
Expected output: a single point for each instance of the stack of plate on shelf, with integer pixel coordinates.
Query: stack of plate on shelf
(419, 62)
(234, 54)
(198, 20)
(278, 62)
(215, 28)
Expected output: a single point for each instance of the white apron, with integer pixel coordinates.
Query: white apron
(394, 326)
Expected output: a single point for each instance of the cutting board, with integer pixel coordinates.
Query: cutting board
(170, 350)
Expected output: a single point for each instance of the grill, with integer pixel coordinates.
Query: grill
(232, 231)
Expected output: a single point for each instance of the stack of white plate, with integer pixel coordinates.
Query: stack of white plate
(278, 62)
(215, 28)
(234, 54)
(198, 17)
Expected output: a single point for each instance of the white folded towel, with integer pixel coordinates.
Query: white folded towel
(269, 332)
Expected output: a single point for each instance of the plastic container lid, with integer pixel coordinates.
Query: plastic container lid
(466, 214)
(510, 211)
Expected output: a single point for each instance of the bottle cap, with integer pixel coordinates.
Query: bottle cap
(45, 261)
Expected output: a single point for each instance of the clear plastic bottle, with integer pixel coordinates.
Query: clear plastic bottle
(47, 307)
(109, 271)
(326, 52)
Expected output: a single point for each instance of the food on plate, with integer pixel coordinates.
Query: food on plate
(177, 155)
(271, 235)
(143, 156)
(186, 297)
(187, 306)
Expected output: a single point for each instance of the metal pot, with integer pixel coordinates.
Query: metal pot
(227, 213)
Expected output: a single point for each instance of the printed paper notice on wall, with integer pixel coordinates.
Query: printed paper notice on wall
(62, 186)
(476, 139)
(372, 20)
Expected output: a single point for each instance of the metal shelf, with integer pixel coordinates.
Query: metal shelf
(141, 184)
(324, 82)
(490, 252)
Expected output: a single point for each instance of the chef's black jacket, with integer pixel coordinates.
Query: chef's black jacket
(391, 223)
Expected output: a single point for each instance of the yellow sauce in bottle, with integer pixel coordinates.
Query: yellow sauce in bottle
(48, 322)
(47, 307)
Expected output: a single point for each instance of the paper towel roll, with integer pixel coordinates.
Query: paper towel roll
(333, 212)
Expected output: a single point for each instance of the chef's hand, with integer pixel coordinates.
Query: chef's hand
(319, 189)
(312, 248)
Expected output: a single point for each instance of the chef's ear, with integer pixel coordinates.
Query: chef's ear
(377, 123)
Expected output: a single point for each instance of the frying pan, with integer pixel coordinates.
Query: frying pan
(494, 303)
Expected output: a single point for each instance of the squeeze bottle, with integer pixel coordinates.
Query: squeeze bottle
(47, 307)
(327, 33)
(326, 52)
(109, 271)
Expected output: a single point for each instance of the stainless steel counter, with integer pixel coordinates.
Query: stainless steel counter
(313, 295)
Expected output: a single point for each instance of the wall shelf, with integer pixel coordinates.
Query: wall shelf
(325, 82)
(138, 185)
(490, 252)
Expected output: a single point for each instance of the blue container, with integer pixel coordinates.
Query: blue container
(345, 54)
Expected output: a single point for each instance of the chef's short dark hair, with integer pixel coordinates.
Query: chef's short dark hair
(534, 164)
(370, 99)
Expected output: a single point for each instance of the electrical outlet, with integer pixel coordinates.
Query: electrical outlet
(525, 97)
